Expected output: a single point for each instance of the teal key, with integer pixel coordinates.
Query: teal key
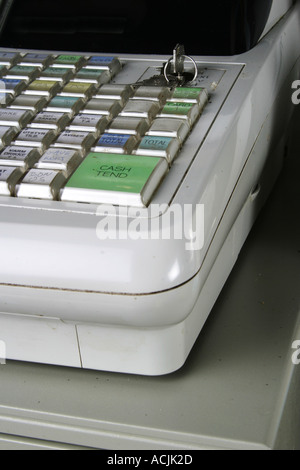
(65, 103)
(159, 146)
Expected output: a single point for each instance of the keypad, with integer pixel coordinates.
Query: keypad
(69, 133)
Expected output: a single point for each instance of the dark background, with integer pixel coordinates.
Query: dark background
(219, 27)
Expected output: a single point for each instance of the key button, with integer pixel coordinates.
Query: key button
(155, 146)
(40, 138)
(188, 111)
(9, 176)
(41, 184)
(23, 157)
(140, 108)
(170, 127)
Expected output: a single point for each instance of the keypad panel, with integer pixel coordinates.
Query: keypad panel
(68, 133)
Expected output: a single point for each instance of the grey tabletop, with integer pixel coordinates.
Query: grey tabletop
(239, 388)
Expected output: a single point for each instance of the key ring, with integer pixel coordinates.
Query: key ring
(172, 59)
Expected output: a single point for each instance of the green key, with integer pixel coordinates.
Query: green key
(181, 110)
(197, 95)
(186, 94)
(71, 60)
(115, 179)
(22, 69)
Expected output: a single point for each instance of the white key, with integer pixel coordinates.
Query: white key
(6, 99)
(9, 176)
(14, 117)
(59, 159)
(15, 155)
(50, 120)
(75, 140)
(41, 184)
(7, 133)
(40, 138)
(89, 122)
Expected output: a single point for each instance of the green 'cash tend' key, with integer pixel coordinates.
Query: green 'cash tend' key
(113, 178)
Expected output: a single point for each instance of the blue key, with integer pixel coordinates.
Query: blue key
(11, 84)
(102, 62)
(117, 143)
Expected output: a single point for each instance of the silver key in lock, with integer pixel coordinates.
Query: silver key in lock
(174, 69)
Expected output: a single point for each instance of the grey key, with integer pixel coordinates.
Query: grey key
(3, 70)
(115, 92)
(140, 108)
(129, 125)
(60, 159)
(106, 107)
(41, 184)
(9, 176)
(170, 127)
(34, 103)
(9, 58)
(19, 156)
(160, 94)
(37, 59)
(93, 76)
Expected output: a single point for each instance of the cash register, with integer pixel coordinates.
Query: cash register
(138, 142)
